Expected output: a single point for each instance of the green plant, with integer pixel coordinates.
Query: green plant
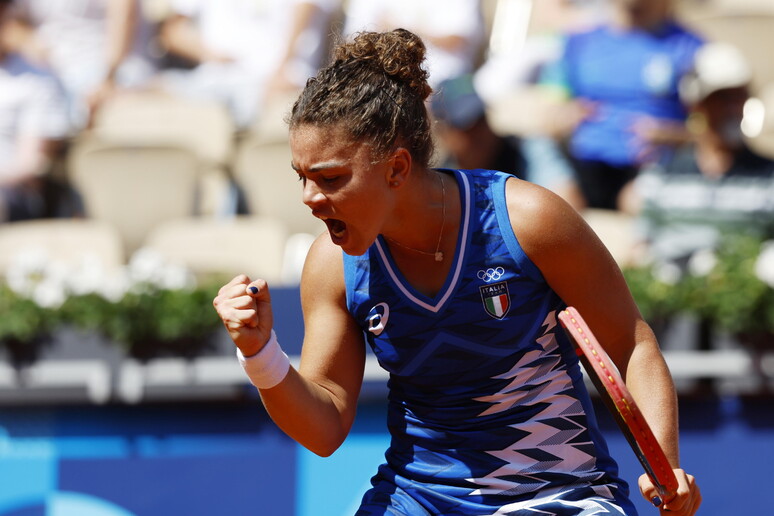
(735, 298)
(733, 286)
(150, 308)
(158, 322)
(25, 326)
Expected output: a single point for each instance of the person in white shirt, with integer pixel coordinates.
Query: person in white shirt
(453, 30)
(245, 53)
(33, 120)
(96, 48)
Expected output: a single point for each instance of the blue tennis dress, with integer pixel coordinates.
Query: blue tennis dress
(488, 412)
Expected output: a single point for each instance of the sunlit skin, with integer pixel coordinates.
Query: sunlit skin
(341, 186)
(359, 196)
(362, 159)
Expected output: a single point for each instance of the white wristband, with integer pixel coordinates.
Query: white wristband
(268, 367)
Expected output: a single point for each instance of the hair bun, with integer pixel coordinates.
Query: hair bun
(398, 54)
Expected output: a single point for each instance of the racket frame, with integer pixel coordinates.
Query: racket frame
(605, 376)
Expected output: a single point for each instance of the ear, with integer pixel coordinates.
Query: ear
(400, 167)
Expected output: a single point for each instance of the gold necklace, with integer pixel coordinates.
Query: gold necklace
(438, 254)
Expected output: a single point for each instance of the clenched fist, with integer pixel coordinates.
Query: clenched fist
(244, 306)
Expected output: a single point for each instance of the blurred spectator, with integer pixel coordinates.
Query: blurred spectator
(452, 30)
(33, 120)
(94, 47)
(245, 54)
(623, 78)
(470, 142)
(524, 41)
(715, 184)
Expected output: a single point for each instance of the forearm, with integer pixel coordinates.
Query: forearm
(303, 15)
(315, 405)
(650, 382)
(121, 23)
(308, 413)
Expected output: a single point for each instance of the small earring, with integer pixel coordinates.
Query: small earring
(393, 183)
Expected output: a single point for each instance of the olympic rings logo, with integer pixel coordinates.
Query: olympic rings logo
(491, 274)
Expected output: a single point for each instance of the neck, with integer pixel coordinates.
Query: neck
(644, 18)
(428, 203)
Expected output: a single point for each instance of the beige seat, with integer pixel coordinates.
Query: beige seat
(262, 168)
(204, 127)
(134, 187)
(223, 247)
(747, 28)
(68, 241)
(156, 118)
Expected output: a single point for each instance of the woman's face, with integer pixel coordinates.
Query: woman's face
(344, 185)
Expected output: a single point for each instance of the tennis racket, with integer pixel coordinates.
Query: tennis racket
(606, 378)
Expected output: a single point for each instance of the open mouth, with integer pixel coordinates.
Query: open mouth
(336, 228)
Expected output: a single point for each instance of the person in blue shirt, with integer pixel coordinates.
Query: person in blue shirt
(714, 186)
(625, 73)
(454, 278)
(468, 140)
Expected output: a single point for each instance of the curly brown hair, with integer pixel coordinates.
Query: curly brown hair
(376, 87)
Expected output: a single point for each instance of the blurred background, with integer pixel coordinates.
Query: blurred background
(144, 161)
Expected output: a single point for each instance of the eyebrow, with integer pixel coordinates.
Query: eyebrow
(317, 167)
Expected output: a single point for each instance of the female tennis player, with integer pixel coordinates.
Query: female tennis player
(455, 279)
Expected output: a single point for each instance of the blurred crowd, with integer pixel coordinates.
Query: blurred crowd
(613, 104)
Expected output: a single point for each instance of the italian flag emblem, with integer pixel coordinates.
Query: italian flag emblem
(496, 298)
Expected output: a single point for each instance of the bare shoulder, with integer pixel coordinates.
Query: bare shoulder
(542, 220)
(574, 262)
(323, 273)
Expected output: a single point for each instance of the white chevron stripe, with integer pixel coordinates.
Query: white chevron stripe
(516, 476)
(537, 378)
(588, 506)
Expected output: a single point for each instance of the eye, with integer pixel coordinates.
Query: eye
(330, 180)
(302, 178)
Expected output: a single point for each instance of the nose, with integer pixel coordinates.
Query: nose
(312, 196)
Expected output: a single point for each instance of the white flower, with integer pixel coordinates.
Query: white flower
(35, 276)
(702, 262)
(88, 276)
(175, 277)
(115, 286)
(764, 265)
(146, 266)
(148, 271)
(667, 272)
(49, 293)
(26, 270)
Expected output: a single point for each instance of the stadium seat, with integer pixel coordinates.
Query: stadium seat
(223, 248)
(204, 127)
(134, 187)
(68, 241)
(744, 24)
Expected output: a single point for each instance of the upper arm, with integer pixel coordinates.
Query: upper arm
(333, 354)
(578, 267)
